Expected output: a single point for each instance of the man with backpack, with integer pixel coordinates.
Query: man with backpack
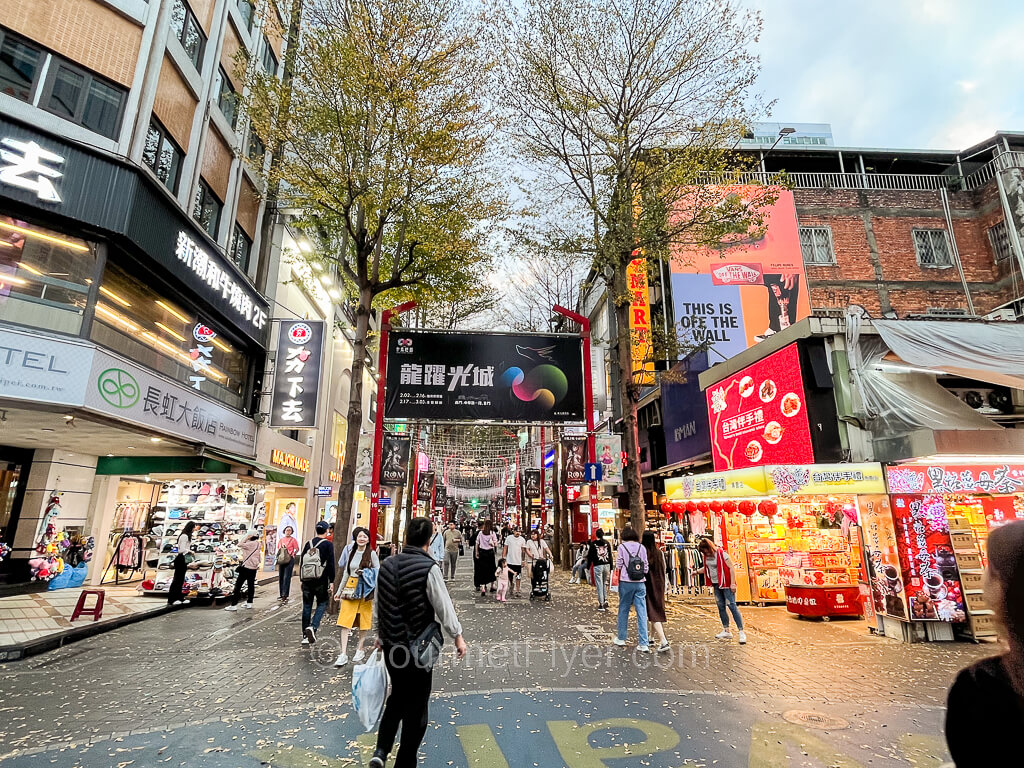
(599, 557)
(316, 573)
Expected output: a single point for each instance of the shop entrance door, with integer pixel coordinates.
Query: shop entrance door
(14, 465)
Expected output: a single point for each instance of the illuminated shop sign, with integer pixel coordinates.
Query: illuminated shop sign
(289, 461)
(242, 299)
(973, 478)
(297, 374)
(758, 416)
(28, 166)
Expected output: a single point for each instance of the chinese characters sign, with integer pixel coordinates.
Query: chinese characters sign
(640, 323)
(217, 279)
(27, 165)
(826, 478)
(883, 561)
(466, 376)
(758, 416)
(974, 478)
(297, 374)
(574, 459)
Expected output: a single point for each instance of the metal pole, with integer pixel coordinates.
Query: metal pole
(588, 389)
(543, 493)
(378, 427)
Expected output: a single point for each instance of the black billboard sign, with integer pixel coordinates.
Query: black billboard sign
(440, 496)
(450, 506)
(467, 376)
(510, 496)
(300, 346)
(394, 463)
(425, 486)
(531, 485)
(574, 452)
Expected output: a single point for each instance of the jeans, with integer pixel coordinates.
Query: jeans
(451, 559)
(633, 593)
(315, 591)
(284, 578)
(406, 705)
(727, 597)
(178, 580)
(602, 578)
(246, 576)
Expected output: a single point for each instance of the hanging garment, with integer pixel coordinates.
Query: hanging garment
(697, 523)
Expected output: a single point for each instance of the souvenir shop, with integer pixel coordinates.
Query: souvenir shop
(792, 532)
(928, 547)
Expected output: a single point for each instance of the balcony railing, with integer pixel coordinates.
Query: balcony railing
(895, 181)
(988, 171)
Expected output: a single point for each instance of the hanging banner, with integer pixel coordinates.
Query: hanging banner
(466, 376)
(730, 297)
(609, 456)
(450, 506)
(510, 496)
(758, 416)
(684, 411)
(531, 485)
(425, 486)
(440, 497)
(640, 323)
(394, 463)
(888, 594)
(296, 374)
(574, 459)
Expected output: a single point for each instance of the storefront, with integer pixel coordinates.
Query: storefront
(792, 531)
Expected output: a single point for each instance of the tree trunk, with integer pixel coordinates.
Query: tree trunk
(346, 490)
(627, 397)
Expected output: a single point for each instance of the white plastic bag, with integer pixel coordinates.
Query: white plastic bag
(370, 689)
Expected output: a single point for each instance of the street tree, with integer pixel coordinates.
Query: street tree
(632, 107)
(383, 152)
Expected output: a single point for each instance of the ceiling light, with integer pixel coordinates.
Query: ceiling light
(131, 447)
(30, 268)
(155, 439)
(107, 292)
(220, 345)
(47, 429)
(108, 312)
(325, 280)
(109, 455)
(12, 280)
(48, 238)
(318, 266)
(334, 293)
(172, 310)
(304, 245)
(68, 417)
(175, 334)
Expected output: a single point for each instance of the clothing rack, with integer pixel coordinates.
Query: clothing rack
(126, 558)
(690, 578)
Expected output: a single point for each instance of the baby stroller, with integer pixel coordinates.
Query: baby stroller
(539, 588)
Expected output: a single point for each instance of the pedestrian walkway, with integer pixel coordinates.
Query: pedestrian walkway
(36, 622)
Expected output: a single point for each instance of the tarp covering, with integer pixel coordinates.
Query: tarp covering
(990, 352)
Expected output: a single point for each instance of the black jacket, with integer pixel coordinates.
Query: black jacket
(403, 608)
(984, 716)
(592, 556)
(327, 553)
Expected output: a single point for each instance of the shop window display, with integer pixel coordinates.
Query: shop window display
(224, 511)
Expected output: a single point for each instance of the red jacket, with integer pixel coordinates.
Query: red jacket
(722, 564)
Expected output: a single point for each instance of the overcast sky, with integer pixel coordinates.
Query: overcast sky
(937, 74)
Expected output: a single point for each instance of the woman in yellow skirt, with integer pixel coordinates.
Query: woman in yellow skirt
(359, 566)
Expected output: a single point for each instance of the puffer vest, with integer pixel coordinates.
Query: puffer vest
(403, 609)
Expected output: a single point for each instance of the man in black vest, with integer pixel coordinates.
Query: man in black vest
(411, 595)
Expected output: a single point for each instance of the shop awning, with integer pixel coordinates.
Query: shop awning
(213, 464)
(990, 352)
(273, 475)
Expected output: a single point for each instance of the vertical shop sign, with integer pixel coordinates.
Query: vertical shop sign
(609, 455)
(441, 496)
(531, 486)
(297, 374)
(510, 496)
(888, 593)
(574, 451)
(425, 486)
(927, 561)
(394, 462)
(730, 297)
(201, 354)
(640, 323)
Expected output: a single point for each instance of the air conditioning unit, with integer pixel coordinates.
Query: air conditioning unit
(1005, 314)
(988, 401)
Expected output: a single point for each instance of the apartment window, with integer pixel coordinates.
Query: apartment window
(163, 156)
(269, 59)
(816, 245)
(186, 28)
(241, 248)
(1000, 241)
(227, 99)
(20, 65)
(207, 209)
(256, 149)
(83, 98)
(247, 10)
(932, 246)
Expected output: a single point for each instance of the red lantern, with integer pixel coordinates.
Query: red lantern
(691, 507)
(703, 506)
(768, 508)
(729, 507)
(716, 506)
(665, 506)
(747, 507)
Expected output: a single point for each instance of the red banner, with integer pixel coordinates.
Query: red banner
(759, 415)
(930, 574)
(961, 478)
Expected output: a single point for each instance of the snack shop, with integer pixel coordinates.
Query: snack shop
(793, 531)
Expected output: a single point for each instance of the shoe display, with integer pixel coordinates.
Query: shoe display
(725, 634)
(231, 608)
(743, 637)
(341, 661)
(618, 642)
(360, 655)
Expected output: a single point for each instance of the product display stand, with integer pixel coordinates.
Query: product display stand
(980, 619)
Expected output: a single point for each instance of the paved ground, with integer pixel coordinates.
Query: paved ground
(542, 686)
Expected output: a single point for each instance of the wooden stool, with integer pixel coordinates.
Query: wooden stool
(96, 611)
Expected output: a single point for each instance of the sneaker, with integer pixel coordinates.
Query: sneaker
(178, 602)
(360, 655)
(379, 756)
(602, 607)
(725, 634)
(664, 647)
(743, 637)
(231, 608)
(304, 641)
(247, 606)
(311, 634)
(644, 648)
(341, 661)
(618, 642)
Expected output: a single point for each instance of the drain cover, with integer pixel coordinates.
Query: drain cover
(818, 720)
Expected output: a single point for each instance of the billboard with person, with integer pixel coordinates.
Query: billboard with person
(729, 298)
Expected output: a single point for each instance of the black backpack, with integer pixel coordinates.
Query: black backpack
(635, 565)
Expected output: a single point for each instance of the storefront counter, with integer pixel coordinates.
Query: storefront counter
(823, 602)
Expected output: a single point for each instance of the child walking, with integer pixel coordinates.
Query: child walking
(502, 575)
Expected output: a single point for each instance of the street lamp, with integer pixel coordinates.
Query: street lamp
(783, 132)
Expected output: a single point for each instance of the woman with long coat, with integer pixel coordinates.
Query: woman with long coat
(656, 589)
(484, 565)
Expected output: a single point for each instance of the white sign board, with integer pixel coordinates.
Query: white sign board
(43, 369)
